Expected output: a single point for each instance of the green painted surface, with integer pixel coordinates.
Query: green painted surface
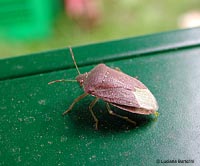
(33, 132)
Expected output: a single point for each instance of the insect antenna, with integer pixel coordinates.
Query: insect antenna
(72, 54)
(62, 80)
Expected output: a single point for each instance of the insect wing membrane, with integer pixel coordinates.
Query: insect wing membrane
(120, 90)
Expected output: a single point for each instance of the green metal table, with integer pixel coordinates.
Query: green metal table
(33, 131)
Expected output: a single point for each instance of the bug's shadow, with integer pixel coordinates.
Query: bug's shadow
(83, 118)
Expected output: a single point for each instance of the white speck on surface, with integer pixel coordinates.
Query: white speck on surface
(19, 159)
(42, 145)
(48, 118)
(20, 101)
(88, 144)
(63, 139)
(42, 102)
(19, 67)
(92, 157)
(30, 119)
(16, 150)
(3, 108)
(59, 152)
(20, 119)
(66, 127)
(50, 142)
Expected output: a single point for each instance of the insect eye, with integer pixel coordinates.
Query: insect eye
(81, 82)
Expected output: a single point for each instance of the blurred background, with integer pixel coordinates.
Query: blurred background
(28, 26)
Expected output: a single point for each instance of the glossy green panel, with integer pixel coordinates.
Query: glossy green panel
(96, 53)
(33, 132)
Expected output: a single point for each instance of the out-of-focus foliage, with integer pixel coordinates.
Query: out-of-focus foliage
(118, 19)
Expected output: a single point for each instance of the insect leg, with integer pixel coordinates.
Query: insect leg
(93, 115)
(119, 116)
(74, 102)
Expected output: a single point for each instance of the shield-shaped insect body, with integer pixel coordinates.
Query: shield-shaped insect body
(115, 88)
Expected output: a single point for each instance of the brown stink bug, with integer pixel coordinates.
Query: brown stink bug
(115, 88)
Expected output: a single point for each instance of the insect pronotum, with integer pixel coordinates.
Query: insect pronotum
(115, 88)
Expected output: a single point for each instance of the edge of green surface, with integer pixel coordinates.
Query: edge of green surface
(55, 60)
